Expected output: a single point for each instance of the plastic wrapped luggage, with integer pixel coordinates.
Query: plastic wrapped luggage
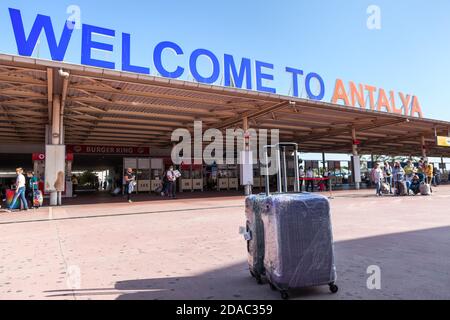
(38, 199)
(385, 189)
(254, 233)
(116, 191)
(255, 236)
(298, 242)
(425, 189)
(9, 198)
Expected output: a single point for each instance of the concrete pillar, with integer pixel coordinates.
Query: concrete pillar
(55, 138)
(247, 187)
(356, 172)
(324, 162)
(56, 120)
(424, 150)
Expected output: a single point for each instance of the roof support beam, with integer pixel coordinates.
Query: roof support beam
(360, 128)
(253, 115)
(50, 93)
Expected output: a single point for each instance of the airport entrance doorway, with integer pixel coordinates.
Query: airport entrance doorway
(99, 169)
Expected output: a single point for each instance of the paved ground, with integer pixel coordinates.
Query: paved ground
(191, 249)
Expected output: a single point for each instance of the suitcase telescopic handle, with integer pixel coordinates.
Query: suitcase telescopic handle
(282, 174)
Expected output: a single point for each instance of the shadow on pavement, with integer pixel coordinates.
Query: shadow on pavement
(414, 265)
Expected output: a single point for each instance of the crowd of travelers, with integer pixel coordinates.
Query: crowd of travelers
(408, 180)
(389, 179)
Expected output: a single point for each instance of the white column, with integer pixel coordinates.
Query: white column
(56, 138)
(424, 150)
(356, 172)
(246, 167)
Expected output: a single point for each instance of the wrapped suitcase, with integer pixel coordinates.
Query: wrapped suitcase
(425, 189)
(385, 189)
(255, 237)
(9, 198)
(289, 235)
(38, 199)
(298, 242)
(254, 231)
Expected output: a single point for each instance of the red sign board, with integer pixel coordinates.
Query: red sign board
(84, 149)
(41, 157)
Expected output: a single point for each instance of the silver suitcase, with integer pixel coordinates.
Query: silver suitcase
(255, 237)
(298, 241)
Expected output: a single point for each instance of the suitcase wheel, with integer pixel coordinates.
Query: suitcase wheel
(284, 295)
(334, 288)
(257, 277)
(259, 280)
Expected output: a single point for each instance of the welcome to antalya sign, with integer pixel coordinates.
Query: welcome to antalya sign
(244, 73)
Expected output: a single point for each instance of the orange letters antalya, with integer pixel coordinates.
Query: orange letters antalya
(366, 96)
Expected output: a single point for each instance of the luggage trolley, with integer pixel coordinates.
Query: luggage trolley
(289, 235)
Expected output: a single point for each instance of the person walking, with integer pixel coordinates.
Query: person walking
(130, 180)
(31, 188)
(309, 179)
(20, 191)
(301, 173)
(436, 177)
(428, 171)
(74, 180)
(377, 177)
(388, 175)
(171, 181)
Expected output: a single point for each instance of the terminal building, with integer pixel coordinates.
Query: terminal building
(107, 120)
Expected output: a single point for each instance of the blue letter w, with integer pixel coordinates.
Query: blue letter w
(26, 46)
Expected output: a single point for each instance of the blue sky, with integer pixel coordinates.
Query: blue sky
(410, 53)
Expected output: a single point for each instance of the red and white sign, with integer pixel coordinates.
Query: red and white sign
(85, 149)
(41, 157)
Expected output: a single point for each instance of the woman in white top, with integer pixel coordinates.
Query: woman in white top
(378, 178)
(20, 190)
(301, 174)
